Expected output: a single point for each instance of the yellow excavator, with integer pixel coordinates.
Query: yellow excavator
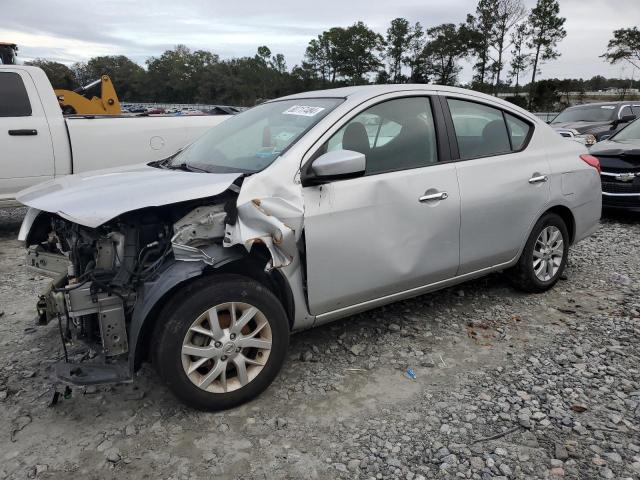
(80, 101)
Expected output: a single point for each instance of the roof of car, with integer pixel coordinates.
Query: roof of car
(369, 90)
(362, 93)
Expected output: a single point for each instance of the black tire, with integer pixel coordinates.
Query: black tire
(522, 275)
(175, 319)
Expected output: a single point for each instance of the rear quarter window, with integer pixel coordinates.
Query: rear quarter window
(518, 131)
(14, 101)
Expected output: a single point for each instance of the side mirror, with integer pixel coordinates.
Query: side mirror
(625, 119)
(336, 165)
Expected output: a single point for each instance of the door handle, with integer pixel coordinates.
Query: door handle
(434, 196)
(538, 179)
(23, 132)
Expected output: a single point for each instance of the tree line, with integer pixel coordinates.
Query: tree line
(506, 44)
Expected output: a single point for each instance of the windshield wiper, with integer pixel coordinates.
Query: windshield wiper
(186, 167)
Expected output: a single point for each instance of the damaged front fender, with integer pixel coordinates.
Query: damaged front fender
(174, 274)
(263, 221)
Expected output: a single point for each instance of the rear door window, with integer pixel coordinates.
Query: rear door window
(480, 130)
(14, 101)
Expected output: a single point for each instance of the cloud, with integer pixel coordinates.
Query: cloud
(75, 30)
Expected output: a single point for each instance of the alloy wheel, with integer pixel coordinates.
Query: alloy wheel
(548, 252)
(226, 347)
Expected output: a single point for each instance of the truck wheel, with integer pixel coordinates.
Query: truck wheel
(220, 341)
(544, 256)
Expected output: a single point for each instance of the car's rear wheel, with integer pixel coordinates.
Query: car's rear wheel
(544, 256)
(220, 341)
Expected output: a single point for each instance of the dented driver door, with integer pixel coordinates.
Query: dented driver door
(388, 231)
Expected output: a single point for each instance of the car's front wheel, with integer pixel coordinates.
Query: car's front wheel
(544, 256)
(220, 341)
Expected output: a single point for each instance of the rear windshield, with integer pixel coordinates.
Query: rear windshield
(587, 113)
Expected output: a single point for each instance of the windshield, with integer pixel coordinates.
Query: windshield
(630, 132)
(252, 140)
(587, 113)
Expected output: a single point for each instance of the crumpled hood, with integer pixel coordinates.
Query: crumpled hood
(93, 198)
(582, 127)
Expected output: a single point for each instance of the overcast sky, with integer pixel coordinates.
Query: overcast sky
(75, 30)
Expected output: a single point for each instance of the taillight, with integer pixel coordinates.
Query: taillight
(591, 160)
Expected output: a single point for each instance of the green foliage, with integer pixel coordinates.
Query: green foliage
(519, 57)
(352, 55)
(517, 100)
(625, 45)
(398, 42)
(546, 29)
(508, 14)
(127, 76)
(58, 74)
(446, 46)
(482, 30)
(545, 96)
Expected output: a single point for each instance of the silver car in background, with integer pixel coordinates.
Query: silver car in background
(297, 212)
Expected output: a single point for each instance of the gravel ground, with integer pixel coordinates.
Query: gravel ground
(506, 386)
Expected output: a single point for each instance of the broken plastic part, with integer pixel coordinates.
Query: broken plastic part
(186, 253)
(260, 221)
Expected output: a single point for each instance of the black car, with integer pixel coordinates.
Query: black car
(598, 119)
(620, 162)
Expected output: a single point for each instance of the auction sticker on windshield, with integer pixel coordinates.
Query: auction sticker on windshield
(303, 110)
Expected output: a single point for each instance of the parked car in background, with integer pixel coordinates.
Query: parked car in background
(593, 122)
(619, 158)
(294, 213)
(38, 143)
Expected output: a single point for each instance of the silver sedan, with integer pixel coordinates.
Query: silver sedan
(297, 212)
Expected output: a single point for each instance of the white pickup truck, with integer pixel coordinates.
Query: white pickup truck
(38, 143)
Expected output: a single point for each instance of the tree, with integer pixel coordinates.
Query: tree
(127, 76)
(519, 58)
(58, 74)
(325, 54)
(397, 43)
(278, 63)
(414, 59)
(264, 54)
(545, 96)
(508, 14)
(317, 59)
(482, 30)
(546, 29)
(446, 46)
(357, 51)
(175, 76)
(625, 45)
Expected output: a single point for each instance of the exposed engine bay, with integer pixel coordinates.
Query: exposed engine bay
(98, 273)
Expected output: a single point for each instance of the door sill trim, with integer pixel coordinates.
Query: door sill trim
(413, 292)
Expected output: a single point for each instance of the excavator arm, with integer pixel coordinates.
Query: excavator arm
(78, 101)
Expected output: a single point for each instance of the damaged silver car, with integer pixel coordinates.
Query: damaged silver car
(294, 213)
